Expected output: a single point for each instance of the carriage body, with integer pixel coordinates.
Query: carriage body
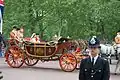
(30, 53)
(39, 50)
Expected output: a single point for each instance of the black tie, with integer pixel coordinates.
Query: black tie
(92, 61)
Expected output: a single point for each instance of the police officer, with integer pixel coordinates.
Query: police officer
(94, 67)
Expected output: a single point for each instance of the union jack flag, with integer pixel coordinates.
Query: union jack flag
(1, 14)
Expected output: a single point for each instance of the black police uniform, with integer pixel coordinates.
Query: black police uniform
(99, 71)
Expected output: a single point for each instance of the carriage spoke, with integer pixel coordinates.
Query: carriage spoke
(11, 61)
(14, 57)
(30, 62)
(68, 62)
(71, 66)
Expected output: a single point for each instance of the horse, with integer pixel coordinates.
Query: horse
(107, 51)
(111, 50)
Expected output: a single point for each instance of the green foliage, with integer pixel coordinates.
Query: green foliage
(74, 18)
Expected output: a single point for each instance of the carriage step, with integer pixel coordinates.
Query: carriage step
(50, 59)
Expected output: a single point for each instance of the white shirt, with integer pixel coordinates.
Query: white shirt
(95, 58)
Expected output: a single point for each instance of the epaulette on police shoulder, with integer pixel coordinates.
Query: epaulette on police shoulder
(105, 60)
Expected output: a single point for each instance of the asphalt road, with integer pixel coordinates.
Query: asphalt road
(43, 71)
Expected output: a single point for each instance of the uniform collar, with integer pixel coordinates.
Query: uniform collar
(95, 58)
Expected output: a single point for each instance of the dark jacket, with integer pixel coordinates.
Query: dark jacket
(99, 71)
(2, 41)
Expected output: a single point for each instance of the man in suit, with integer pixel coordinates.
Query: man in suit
(2, 44)
(94, 67)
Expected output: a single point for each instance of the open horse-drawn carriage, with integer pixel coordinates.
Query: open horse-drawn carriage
(29, 53)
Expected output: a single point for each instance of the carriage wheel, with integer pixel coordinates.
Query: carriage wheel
(68, 62)
(31, 62)
(14, 57)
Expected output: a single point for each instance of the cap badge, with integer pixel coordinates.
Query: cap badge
(92, 41)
